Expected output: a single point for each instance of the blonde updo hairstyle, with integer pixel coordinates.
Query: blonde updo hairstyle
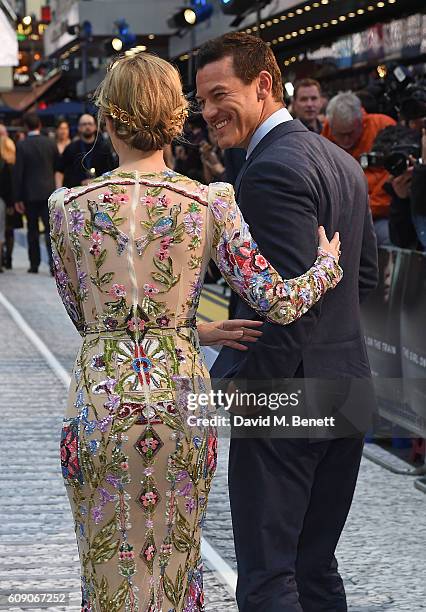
(142, 94)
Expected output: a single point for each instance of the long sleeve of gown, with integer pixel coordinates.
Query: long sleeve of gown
(248, 273)
(64, 266)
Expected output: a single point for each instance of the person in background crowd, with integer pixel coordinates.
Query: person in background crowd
(62, 136)
(86, 157)
(34, 181)
(354, 130)
(307, 104)
(408, 207)
(18, 136)
(212, 159)
(11, 218)
(407, 220)
(7, 159)
(401, 228)
(7, 144)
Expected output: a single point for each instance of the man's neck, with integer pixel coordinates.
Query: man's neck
(311, 123)
(269, 112)
(273, 108)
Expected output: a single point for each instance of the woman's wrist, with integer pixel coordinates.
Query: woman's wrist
(325, 253)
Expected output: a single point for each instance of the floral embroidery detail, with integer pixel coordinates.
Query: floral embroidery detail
(110, 323)
(150, 289)
(149, 498)
(193, 224)
(117, 290)
(148, 200)
(57, 217)
(148, 445)
(98, 363)
(163, 321)
(135, 323)
(195, 597)
(71, 469)
(126, 556)
(149, 551)
(212, 454)
(76, 222)
(97, 514)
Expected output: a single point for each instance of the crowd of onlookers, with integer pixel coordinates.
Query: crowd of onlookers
(33, 164)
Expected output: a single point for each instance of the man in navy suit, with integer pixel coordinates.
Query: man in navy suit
(290, 497)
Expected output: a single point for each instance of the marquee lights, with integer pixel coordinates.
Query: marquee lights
(309, 7)
(308, 29)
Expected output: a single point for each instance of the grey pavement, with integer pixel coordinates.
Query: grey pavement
(381, 554)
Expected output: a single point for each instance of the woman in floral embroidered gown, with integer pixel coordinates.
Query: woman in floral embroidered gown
(130, 253)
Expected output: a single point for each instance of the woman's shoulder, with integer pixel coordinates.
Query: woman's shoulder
(178, 183)
(107, 181)
(205, 193)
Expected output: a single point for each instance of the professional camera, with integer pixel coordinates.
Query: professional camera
(399, 94)
(394, 149)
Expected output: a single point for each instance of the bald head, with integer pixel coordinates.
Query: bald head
(87, 127)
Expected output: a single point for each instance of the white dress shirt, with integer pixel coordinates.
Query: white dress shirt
(280, 116)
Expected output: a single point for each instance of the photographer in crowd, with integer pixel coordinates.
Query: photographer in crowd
(355, 130)
(405, 160)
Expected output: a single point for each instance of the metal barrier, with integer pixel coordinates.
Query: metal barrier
(394, 319)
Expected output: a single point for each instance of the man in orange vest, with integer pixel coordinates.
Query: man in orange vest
(355, 130)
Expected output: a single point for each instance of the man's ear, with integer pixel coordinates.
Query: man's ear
(264, 85)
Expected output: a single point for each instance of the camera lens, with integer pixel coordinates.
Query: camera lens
(396, 163)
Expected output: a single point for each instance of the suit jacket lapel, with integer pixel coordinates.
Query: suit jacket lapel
(277, 132)
(239, 177)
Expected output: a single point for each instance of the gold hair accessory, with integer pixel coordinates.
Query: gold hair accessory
(121, 115)
(180, 117)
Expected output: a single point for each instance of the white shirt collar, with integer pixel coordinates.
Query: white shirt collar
(280, 116)
(33, 133)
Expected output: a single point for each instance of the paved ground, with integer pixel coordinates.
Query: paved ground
(382, 553)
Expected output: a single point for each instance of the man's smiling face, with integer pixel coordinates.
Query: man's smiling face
(230, 107)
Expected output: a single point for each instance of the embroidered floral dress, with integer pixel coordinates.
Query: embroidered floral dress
(130, 253)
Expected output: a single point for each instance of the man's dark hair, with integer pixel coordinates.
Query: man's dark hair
(306, 83)
(250, 55)
(31, 121)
